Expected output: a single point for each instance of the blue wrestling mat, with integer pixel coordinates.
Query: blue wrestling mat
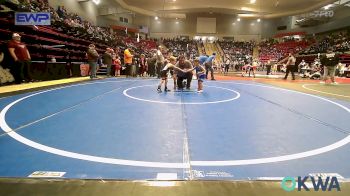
(125, 129)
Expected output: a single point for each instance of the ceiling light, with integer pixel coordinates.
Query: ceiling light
(174, 0)
(238, 19)
(96, 1)
(327, 6)
(248, 15)
(177, 22)
(252, 1)
(277, 3)
(156, 18)
(248, 9)
(258, 20)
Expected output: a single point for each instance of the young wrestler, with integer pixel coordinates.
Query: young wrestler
(253, 67)
(164, 74)
(200, 72)
(118, 66)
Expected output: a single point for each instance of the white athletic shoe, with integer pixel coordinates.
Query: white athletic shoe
(200, 91)
(322, 82)
(334, 83)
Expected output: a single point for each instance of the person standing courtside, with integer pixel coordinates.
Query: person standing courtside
(21, 56)
(290, 66)
(268, 67)
(143, 65)
(107, 59)
(92, 56)
(160, 61)
(329, 61)
(128, 61)
(209, 66)
(151, 62)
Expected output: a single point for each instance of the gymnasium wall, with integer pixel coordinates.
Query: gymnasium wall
(104, 21)
(340, 20)
(206, 25)
(110, 14)
(141, 20)
(87, 10)
(226, 26)
(246, 29)
(332, 25)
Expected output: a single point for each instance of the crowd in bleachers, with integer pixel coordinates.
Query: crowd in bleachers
(272, 50)
(72, 23)
(68, 30)
(339, 41)
(237, 50)
(75, 34)
(238, 55)
(180, 46)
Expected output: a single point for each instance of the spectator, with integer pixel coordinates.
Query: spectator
(329, 62)
(61, 12)
(7, 59)
(21, 57)
(227, 66)
(5, 75)
(209, 66)
(92, 56)
(151, 62)
(160, 60)
(268, 67)
(118, 66)
(301, 65)
(107, 59)
(128, 61)
(143, 65)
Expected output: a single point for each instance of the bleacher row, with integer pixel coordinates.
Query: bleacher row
(277, 51)
(40, 39)
(65, 44)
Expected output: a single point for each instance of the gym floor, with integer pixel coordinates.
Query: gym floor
(237, 129)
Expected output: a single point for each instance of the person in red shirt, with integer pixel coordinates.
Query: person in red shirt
(21, 56)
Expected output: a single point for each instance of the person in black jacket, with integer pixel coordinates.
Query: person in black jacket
(92, 57)
(107, 59)
(329, 62)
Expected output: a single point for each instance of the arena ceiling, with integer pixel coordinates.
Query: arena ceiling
(246, 8)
